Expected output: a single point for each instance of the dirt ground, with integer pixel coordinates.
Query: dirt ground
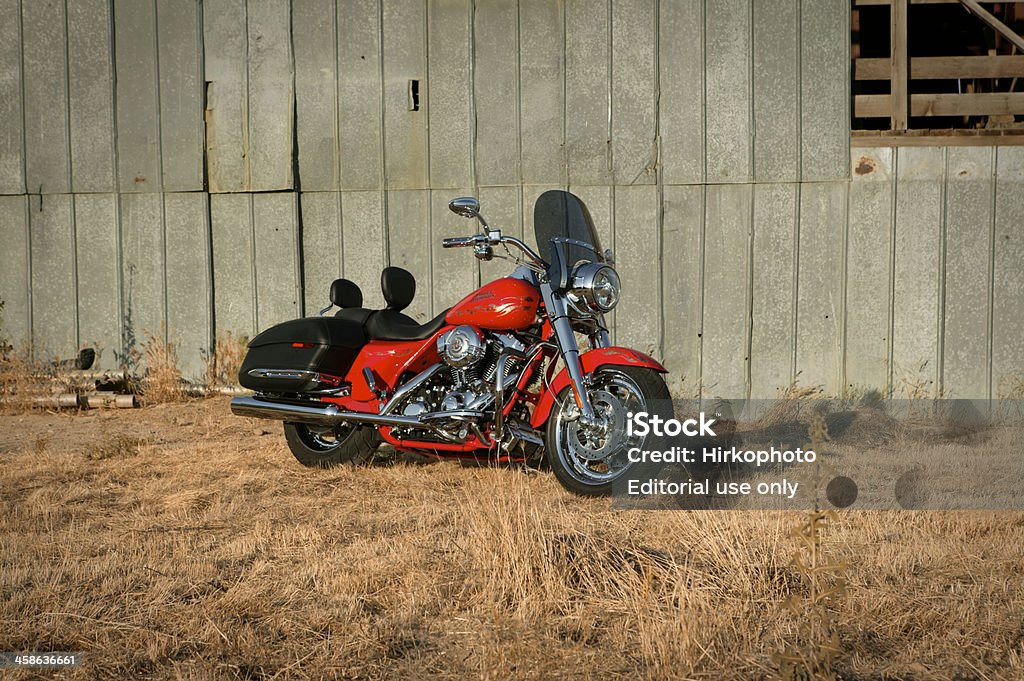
(178, 541)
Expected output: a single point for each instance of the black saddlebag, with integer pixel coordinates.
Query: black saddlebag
(292, 356)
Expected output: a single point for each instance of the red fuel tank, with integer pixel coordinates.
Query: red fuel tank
(504, 304)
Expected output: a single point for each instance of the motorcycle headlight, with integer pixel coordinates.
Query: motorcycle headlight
(595, 288)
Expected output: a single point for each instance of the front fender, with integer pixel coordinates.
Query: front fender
(591, 361)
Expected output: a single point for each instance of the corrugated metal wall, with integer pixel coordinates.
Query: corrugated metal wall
(214, 165)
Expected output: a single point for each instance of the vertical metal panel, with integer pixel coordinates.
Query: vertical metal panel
(99, 305)
(819, 338)
(726, 290)
(588, 76)
(138, 103)
(496, 92)
(91, 91)
(869, 279)
(634, 91)
(776, 90)
(1008, 276)
(44, 58)
(181, 94)
(363, 234)
(541, 108)
(404, 37)
(234, 301)
(271, 98)
(360, 116)
(315, 37)
(410, 245)
(12, 143)
(916, 284)
(771, 340)
(451, 98)
(54, 312)
(188, 279)
(15, 285)
(321, 247)
(143, 268)
(503, 208)
(968, 248)
(825, 89)
(681, 110)
(681, 292)
(727, 91)
(278, 290)
(225, 54)
(637, 252)
(454, 269)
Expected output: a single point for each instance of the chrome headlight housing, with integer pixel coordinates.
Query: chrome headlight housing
(594, 288)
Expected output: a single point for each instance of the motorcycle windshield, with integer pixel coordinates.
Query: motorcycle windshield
(565, 234)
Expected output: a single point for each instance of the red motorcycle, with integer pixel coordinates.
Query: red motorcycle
(479, 380)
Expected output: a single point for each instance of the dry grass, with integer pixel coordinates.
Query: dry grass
(225, 360)
(162, 381)
(172, 542)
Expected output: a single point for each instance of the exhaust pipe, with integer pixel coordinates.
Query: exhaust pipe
(329, 415)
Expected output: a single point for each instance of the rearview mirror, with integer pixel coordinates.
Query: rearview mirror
(466, 206)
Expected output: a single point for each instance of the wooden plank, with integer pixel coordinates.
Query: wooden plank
(638, 262)
(868, 3)
(450, 125)
(869, 279)
(944, 138)
(773, 290)
(234, 302)
(405, 60)
(683, 251)
(967, 104)
(634, 92)
(728, 92)
(541, 107)
(411, 246)
(54, 291)
(181, 94)
(496, 92)
(91, 96)
(278, 289)
(898, 67)
(916, 276)
(316, 95)
(363, 235)
(726, 316)
(1002, 29)
(819, 339)
(992, 66)
(15, 282)
(143, 268)
(321, 247)
(189, 312)
(271, 97)
(360, 116)
(225, 49)
(44, 55)
(776, 91)
(588, 67)
(138, 104)
(98, 280)
(968, 251)
(1008, 276)
(825, 90)
(12, 133)
(681, 114)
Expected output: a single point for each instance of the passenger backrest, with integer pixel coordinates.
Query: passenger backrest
(398, 287)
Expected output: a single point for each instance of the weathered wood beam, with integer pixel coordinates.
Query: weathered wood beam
(899, 66)
(1000, 66)
(969, 104)
(977, 10)
(937, 138)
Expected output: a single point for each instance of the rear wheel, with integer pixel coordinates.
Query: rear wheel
(325, 447)
(589, 460)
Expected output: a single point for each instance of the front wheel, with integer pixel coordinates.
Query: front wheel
(589, 460)
(325, 447)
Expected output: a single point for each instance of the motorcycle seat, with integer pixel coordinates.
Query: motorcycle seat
(399, 288)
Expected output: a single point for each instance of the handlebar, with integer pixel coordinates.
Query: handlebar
(495, 237)
(462, 241)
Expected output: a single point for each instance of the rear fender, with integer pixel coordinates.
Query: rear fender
(591, 361)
